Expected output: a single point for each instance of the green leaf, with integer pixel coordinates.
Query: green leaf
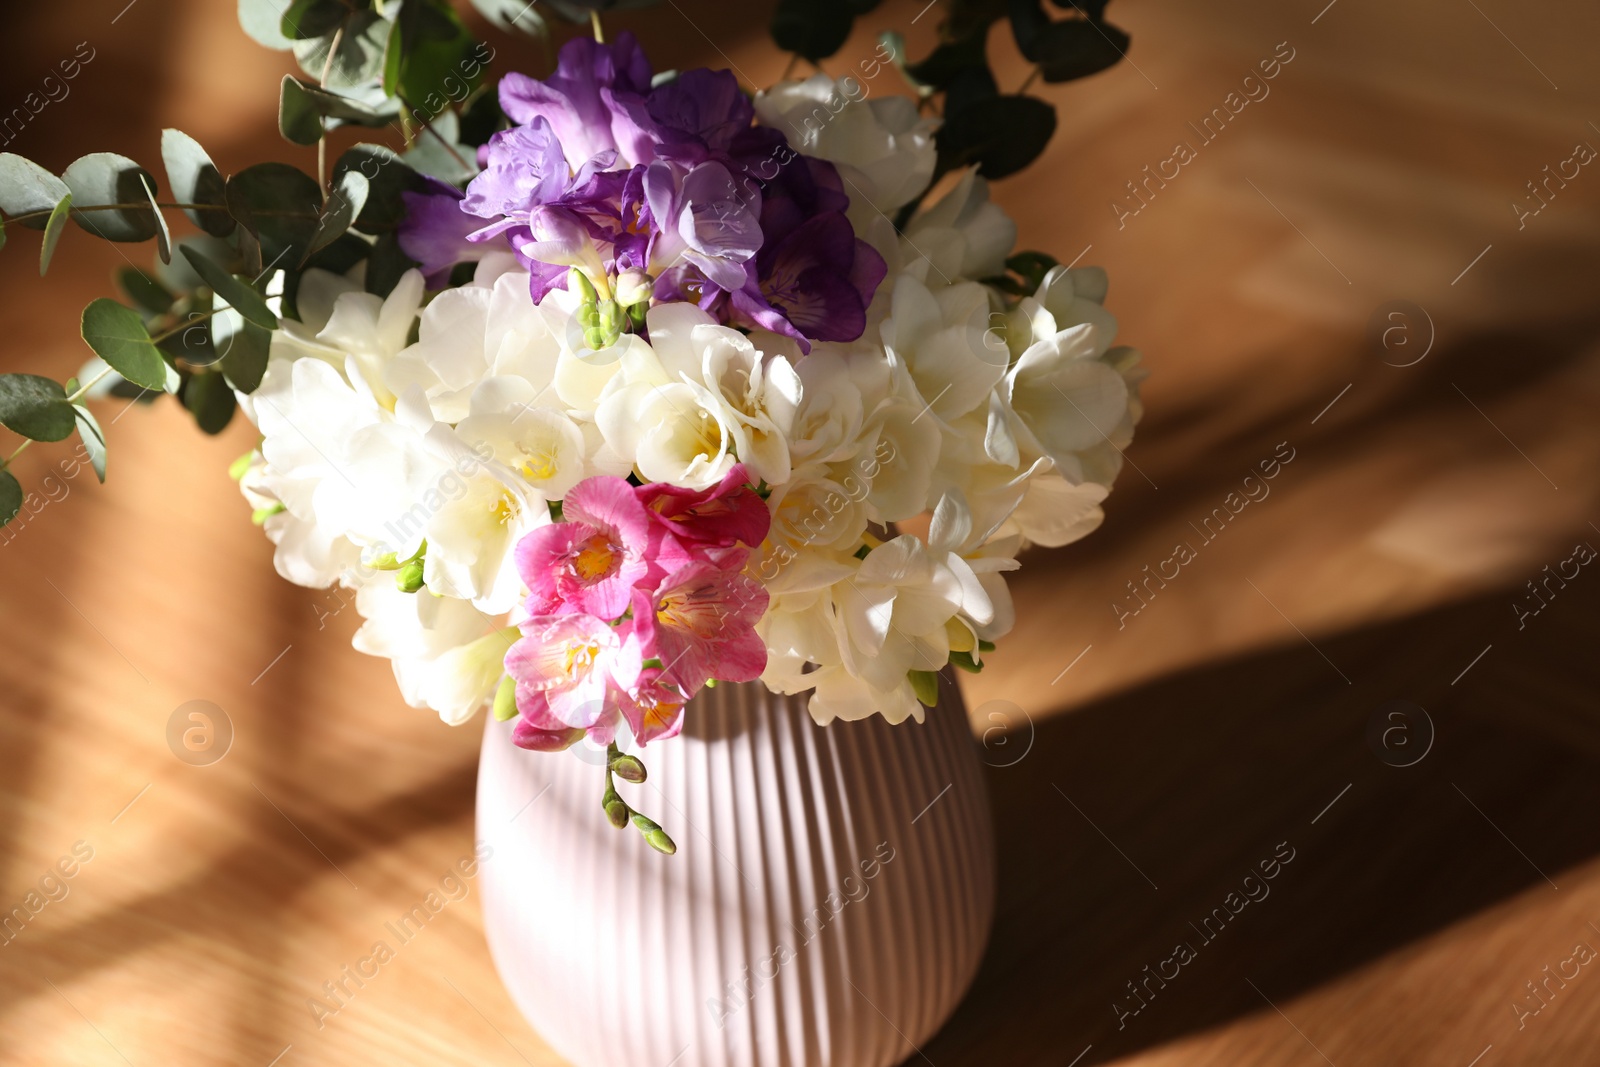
(815, 29)
(145, 291)
(305, 112)
(210, 400)
(2, 232)
(93, 438)
(281, 206)
(1001, 134)
(311, 18)
(163, 235)
(388, 176)
(386, 264)
(1074, 48)
(344, 204)
(238, 295)
(10, 497)
(965, 661)
(357, 63)
(298, 118)
(34, 407)
(196, 180)
(107, 178)
(262, 19)
(52, 232)
(28, 189)
(244, 347)
(453, 165)
(513, 16)
(118, 336)
(430, 59)
(926, 685)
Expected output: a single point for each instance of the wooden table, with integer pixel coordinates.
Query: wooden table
(1141, 770)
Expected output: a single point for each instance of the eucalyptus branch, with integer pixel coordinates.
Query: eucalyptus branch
(322, 83)
(143, 205)
(184, 325)
(83, 389)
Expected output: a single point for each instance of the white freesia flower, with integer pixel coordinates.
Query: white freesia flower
(965, 235)
(883, 148)
(1068, 395)
(941, 336)
(447, 655)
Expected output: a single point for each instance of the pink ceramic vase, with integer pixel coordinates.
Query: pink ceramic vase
(827, 907)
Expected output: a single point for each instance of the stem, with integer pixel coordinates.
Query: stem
(594, 20)
(322, 83)
(184, 325)
(5, 464)
(1032, 77)
(25, 216)
(88, 385)
(794, 61)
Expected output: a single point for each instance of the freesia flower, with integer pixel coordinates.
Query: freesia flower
(699, 624)
(568, 670)
(590, 562)
(727, 514)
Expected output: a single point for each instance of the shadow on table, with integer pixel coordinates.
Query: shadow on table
(1192, 780)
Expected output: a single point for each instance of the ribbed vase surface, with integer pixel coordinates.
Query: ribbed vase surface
(827, 907)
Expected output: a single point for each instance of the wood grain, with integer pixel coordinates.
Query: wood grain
(1140, 771)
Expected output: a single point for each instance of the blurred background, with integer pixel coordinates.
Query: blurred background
(1370, 666)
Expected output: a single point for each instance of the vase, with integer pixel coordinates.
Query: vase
(827, 906)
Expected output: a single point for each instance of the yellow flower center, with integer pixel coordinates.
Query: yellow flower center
(594, 559)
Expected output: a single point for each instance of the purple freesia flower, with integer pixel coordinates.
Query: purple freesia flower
(606, 173)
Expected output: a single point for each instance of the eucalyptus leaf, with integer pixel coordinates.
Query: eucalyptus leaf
(10, 497)
(1001, 134)
(815, 29)
(118, 336)
(34, 407)
(298, 118)
(102, 178)
(388, 176)
(281, 206)
(149, 294)
(163, 235)
(210, 400)
(52, 232)
(93, 438)
(28, 189)
(386, 264)
(513, 16)
(1076, 48)
(244, 347)
(439, 153)
(195, 180)
(358, 61)
(262, 19)
(311, 18)
(430, 59)
(345, 202)
(238, 295)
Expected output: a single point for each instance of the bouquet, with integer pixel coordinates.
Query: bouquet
(618, 383)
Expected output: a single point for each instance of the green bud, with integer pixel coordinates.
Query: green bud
(628, 768)
(261, 515)
(711, 683)
(409, 578)
(926, 685)
(654, 835)
(616, 811)
(653, 663)
(578, 282)
(505, 699)
(239, 467)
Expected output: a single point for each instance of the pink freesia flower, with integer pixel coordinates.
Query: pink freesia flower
(569, 670)
(589, 562)
(700, 623)
(654, 709)
(726, 514)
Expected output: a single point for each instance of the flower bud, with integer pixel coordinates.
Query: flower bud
(616, 811)
(629, 769)
(654, 835)
(505, 699)
(409, 578)
(633, 287)
(579, 283)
